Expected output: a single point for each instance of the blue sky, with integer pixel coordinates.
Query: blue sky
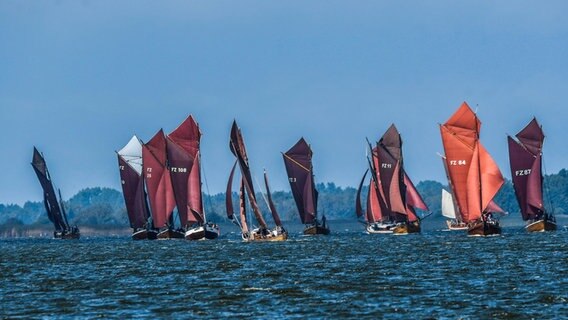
(78, 78)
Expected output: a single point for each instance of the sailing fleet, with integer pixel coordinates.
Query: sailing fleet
(162, 186)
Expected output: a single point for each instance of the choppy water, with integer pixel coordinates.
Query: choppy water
(345, 275)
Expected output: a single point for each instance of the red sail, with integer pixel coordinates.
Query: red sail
(158, 181)
(298, 161)
(413, 198)
(180, 164)
(375, 206)
(186, 174)
(237, 146)
(474, 175)
(526, 172)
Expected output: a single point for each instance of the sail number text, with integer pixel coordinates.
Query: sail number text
(525, 172)
(458, 162)
(386, 165)
(178, 170)
(292, 179)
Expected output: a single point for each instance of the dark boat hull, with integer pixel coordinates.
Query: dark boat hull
(208, 231)
(66, 235)
(541, 226)
(483, 228)
(170, 234)
(407, 228)
(314, 230)
(145, 234)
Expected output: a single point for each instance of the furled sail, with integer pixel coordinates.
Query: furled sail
(237, 146)
(474, 175)
(52, 206)
(130, 166)
(298, 161)
(525, 158)
(158, 181)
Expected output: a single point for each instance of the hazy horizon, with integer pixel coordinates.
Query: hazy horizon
(80, 78)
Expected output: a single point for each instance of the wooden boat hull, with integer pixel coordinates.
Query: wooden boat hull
(453, 226)
(170, 234)
(541, 226)
(208, 231)
(144, 234)
(66, 235)
(314, 230)
(406, 228)
(266, 238)
(482, 229)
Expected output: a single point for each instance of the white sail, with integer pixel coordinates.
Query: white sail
(448, 209)
(132, 154)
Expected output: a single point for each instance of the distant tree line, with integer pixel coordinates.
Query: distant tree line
(104, 207)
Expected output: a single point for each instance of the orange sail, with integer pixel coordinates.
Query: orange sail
(474, 176)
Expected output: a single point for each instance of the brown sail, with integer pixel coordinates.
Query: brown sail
(298, 161)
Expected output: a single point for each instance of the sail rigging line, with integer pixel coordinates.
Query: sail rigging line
(546, 184)
(295, 162)
(202, 167)
(262, 193)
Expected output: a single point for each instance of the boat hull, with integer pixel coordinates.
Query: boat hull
(380, 228)
(170, 234)
(66, 235)
(456, 226)
(406, 228)
(314, 230)
(541, 226)
(144, 234)
(207, 231)
(256, 237)
(483, 228)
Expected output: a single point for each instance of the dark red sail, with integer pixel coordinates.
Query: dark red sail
(180, 164)
(275, 215)
(298, 161)
(389, 150)
(229, 194)
(237, 146)
(133, 189)
(158, 180)
(526, 172)
(188, 137)
(358, 208)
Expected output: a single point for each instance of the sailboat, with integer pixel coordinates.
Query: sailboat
(184, 157)
(130, 168)
(159, 186)
(449, 211)
(474, 176)
(393, 198)
(372, 217)
(246, 192)
(54, 207)
(298, 161)
(525, 157)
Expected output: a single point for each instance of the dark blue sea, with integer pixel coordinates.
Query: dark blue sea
(349, 274)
